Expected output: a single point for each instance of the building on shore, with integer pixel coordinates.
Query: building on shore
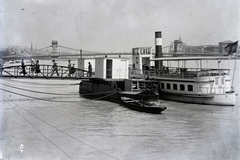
(179, 47)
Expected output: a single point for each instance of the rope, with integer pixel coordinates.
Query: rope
(40, 131)
(43, 99)
(58, 130)
(106, 96)
(37, 91)
(56, 93)
(89, 94)
(44, 83)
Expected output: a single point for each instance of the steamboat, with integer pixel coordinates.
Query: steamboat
(195, 85)
(202, 85)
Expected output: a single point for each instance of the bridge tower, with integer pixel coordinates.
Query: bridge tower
(178, 46)
(54, 49)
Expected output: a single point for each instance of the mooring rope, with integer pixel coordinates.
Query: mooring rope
(56, 129)
(106, 96)
(89, 94)
(86, 94)
(39, 86)
(39, 131)
(38, 91)
(42, 83)
(44, 99)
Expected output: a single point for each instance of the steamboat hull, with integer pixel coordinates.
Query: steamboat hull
(112, 96)
(99, 89)
(228, 99)
(113, 90)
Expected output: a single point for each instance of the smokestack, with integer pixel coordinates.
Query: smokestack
(158, 49)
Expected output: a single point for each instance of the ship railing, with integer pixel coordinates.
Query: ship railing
(136, 73)
(170, 73)
(213, 72)
(175, 72)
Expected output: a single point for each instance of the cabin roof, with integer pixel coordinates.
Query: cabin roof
(191, 58)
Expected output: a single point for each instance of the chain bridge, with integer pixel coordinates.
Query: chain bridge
(58, 51)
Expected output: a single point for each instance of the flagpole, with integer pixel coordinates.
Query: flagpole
(232, 89)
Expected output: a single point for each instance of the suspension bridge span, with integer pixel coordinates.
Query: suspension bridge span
(55, 51)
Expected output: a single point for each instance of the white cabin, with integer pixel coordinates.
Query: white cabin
(113, 68)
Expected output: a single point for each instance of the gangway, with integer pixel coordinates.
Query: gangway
(46, 71)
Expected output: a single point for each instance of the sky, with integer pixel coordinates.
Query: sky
(117, 25)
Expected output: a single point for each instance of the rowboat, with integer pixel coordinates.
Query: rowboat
(138, 105)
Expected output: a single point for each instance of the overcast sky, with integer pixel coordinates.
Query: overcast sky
(117, 25)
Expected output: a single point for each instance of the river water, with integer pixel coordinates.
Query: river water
(36, 125)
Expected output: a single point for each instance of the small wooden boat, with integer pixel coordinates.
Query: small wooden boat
(141, 106)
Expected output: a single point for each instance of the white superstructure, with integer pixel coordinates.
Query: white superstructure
(194, 85)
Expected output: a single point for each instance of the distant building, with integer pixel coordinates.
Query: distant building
(178, 47)
(222, 46)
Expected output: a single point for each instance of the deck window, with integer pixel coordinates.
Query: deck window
(162, 85)
(168, 86)
(174, 86)
(190, 87)
(182, 87)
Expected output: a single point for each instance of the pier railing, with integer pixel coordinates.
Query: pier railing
(46, 71)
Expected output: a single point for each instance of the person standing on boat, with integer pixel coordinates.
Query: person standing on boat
(89, 69)
(54, 68)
